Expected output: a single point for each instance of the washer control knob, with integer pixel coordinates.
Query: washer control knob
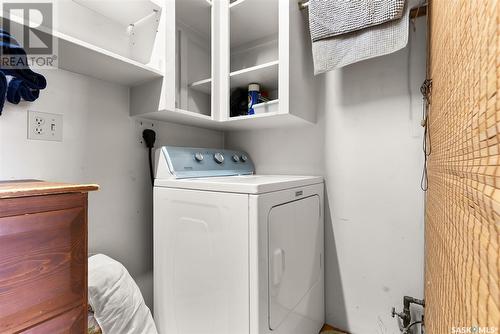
(236, 158)
(244, 158)
(198, 157)
(219, 157)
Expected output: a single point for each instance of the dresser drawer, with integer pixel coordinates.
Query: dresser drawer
(71, 322)
(43, 266)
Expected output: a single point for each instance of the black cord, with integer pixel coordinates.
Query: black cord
(424, 181)
(151, 172)
(411, 325)
(149, 137)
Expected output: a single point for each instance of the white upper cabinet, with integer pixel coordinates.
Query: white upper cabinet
(215, 49)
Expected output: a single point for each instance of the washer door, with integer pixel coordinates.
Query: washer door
(294, 256)
(200, 262)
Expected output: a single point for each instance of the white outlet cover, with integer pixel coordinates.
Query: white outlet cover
(45, 126)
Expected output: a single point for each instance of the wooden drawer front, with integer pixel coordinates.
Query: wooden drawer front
(71, 322)
(43, 265)
(37, 204)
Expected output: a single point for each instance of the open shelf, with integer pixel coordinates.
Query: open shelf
(125, 12)
(252, 20)
(87, 59)
(266, 75)
(263, 121)
(75, 55)
(204, 86)
(257, 121)
(183, 117)
(267, 107)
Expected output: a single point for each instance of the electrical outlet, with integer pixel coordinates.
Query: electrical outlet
(141, 125)
(44, 126)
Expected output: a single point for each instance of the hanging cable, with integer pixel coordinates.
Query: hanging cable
(407, 329)
(425, 89)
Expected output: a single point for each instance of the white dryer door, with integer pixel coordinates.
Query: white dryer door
(294, 255)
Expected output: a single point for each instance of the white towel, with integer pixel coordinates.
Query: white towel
(328, 18)
(375, 41)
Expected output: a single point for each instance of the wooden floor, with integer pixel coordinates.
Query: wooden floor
(327, 329)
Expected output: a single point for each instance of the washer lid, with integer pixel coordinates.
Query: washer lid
(246, 184)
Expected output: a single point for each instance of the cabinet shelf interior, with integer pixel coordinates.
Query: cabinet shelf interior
(125, 12)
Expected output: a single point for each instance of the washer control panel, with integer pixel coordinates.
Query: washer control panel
(190, 162)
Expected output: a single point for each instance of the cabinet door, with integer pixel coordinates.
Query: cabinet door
(43, 260)
(190, 43)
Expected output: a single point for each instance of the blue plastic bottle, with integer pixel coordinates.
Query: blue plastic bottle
(253, 97)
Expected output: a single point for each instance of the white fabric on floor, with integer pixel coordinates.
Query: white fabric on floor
(117, 302)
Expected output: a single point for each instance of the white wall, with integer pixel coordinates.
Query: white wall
(101, 144)
(367, 144)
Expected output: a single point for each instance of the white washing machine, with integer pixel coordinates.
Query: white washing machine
(234, 252)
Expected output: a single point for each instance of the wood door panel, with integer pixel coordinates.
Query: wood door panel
(71, 322)
(462, 233)
(42, 266)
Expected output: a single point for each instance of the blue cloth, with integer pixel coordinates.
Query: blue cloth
(25, 84)
(3, 90)
(17, 89)
(10, 46)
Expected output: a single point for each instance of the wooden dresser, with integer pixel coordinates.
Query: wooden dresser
(43, 257)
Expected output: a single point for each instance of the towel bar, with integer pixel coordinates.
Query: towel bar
(421, 10)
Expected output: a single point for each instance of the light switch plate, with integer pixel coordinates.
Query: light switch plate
(45, 126)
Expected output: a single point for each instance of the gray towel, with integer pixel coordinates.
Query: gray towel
(328, 18)
(375, 41)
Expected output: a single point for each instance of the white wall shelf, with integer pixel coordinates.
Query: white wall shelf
(266, 75)
(263, 121)
(204, 86)
(84, 58)
(78, 56)
(272, 119)
(183, 117)
(125, 12)
(263, 109)
(267, 107)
